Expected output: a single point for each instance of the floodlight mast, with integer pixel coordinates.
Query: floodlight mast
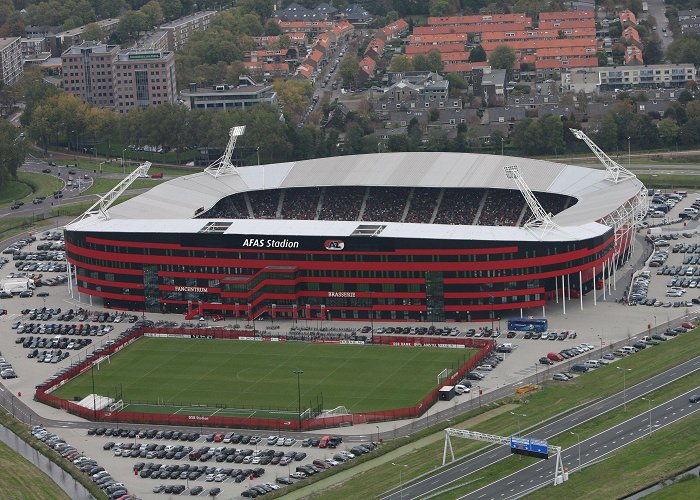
(540, 223)
(223, 165)
(99, 208)
(616, 173)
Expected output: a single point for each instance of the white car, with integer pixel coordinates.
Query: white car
(484, 368)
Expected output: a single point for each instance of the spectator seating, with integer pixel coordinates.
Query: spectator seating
(342, 203)
(264, 203)
(502, 207)
(386, 204)
(422, 205)
(459, 206)
(300, 203)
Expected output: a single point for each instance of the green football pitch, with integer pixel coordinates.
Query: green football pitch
(237, 378)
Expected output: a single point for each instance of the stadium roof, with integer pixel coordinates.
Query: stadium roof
(171, 206)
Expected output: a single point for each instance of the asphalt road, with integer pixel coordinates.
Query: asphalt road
(591, 450)
(657, 8)
(440, 480)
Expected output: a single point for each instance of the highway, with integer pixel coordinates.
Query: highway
(440, 480)
(591, 450)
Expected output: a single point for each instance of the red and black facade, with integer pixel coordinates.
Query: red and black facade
(351, 278)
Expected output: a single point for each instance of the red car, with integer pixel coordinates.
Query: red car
(555, 356)
(218, 438)
(217, 317)
(687, 324)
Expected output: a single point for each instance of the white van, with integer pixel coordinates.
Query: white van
(461, 389)
(592, 363)
(628, 349)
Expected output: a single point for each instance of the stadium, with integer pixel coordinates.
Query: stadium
(389, 236)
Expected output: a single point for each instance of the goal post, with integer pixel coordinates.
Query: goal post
(443, 375)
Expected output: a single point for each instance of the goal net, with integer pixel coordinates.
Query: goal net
(117, 406)
(443, 375)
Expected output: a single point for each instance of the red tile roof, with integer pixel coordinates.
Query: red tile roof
(537, 34)
(572, 23)
(479, 19)
(561, 16)
(398, 26)
(468, 28)
(447, 38)
(443, 49)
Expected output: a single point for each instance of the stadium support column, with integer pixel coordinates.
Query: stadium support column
(568, 286)
(595, 295)
(580, 287)
(611, 274)
(602, 277)
(563, 295)
(556, 289)
(70, 278)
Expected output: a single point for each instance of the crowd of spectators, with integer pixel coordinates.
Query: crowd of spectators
(459, 206)
(551, 203)
(300, 203)
(386, 204)
(231, 207)
(264, 203)
(422, 205)
(342, 203)
(502, 207)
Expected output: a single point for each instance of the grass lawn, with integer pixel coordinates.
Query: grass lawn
(11, 226)
(102, 185)
(241, 374)
(115, 167)
(28, 186)
(636, 466)
(555, 398)
(684, 488)
(21, 479)
(14, 190)
(670, 180)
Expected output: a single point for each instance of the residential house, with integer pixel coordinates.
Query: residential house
(627, 18)
(633, 56)
(393, 30)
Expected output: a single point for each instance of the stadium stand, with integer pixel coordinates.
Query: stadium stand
(499, 207)
(342, 203)
(265, 203)
(300, 203)
(459, 206)
(422, 205)
(386, 204)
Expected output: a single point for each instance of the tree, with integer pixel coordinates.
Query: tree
(477, 54)
(348, 70)
(153, 12)
(602, 58)
(685, 49)
(401, 64)
(93, 32)
(398, 143)
(131, 24)
(12, 152)
(440, 8)
(272, 28)
(392, 16)
(652, 51)
(502, 57)
(437, 139)
(293, 96)
(432, 61)
(668, 131)
(172, 9)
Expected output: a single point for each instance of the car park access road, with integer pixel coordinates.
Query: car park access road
(591, 450)
(440, 479)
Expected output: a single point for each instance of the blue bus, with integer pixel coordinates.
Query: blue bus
(528, 324)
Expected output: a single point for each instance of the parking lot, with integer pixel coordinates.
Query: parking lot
(597, 326)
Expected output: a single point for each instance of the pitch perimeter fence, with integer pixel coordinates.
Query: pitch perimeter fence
(43, 392)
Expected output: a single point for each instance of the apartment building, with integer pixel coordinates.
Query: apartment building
(107, 77)
(87, 72)
(180, 30)
(10, 60)
(142, 78)
(59, 41)
(625, 77)
(158, 40)
(225, 97)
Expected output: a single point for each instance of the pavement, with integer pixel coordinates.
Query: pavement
(438, 481)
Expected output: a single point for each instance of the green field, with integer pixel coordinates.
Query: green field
(28, 186)
(21, 479)
(259, 375)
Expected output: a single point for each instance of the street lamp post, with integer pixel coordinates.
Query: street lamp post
(629, 151)
(518, 415)
(649, 401)
(655, 327)
(400, 477)
(94, 402)
(377, 433)
(624, 383)
(123, 164)
(298, 373)
(578, 441)
(502, 139)
(491, 302)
